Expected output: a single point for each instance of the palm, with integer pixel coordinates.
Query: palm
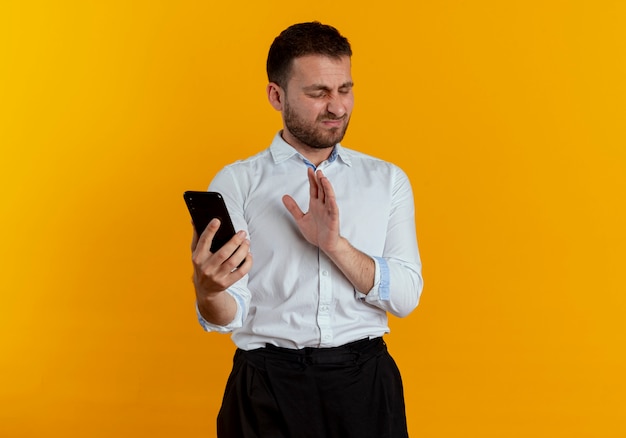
(319, 225)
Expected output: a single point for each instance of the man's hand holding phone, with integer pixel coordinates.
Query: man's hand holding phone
(215, 272)
(225, 266)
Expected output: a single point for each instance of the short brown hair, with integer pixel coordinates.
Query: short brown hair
(313, 38)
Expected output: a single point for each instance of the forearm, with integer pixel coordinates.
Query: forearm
(359, 268)
(219, 309)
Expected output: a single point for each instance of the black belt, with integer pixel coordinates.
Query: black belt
(351, 352)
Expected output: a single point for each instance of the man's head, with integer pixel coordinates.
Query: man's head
(311, 84)
(303, 39)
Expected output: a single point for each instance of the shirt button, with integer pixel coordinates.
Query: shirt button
(325, 273)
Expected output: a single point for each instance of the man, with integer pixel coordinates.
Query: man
(309, 314)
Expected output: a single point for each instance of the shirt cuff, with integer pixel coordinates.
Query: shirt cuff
(380, 290)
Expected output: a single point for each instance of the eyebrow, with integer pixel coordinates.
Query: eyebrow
(316, 87)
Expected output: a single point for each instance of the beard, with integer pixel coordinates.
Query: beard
(312, 135)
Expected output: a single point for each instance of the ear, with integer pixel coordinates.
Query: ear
(276, 96)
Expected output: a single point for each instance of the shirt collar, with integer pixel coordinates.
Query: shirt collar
(282, 151)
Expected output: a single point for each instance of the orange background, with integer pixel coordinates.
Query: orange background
(509, 118)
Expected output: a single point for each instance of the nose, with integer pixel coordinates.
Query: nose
(338, 106)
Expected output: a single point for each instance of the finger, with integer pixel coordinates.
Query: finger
(292, 207)
(319, 175)
(238, 265)
(327, 188)
(230, 247)
(313, 188)
(206, 238)
(245, 267)
(239, 258)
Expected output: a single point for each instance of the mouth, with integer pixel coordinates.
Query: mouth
(333, 123)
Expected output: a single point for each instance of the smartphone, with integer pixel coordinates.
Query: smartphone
(203, 207)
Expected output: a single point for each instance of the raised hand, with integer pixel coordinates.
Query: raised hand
(320, 224)
(320, 227)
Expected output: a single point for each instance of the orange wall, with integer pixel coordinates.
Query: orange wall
(509, 118)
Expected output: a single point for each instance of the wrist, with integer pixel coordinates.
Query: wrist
(340, 247)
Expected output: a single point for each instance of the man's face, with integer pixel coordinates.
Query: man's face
(318, 101)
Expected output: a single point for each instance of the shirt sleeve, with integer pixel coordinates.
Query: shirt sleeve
(225, 184)
(398, 281)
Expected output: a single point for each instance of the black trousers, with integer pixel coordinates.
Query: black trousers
(349, 391)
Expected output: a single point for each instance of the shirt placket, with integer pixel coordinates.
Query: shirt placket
(325, 281)
(324, 305)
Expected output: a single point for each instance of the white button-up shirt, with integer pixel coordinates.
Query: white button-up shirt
(294, 296)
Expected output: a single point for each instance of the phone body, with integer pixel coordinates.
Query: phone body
(205, 206)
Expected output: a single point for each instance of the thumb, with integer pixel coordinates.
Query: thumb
(292, 206)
